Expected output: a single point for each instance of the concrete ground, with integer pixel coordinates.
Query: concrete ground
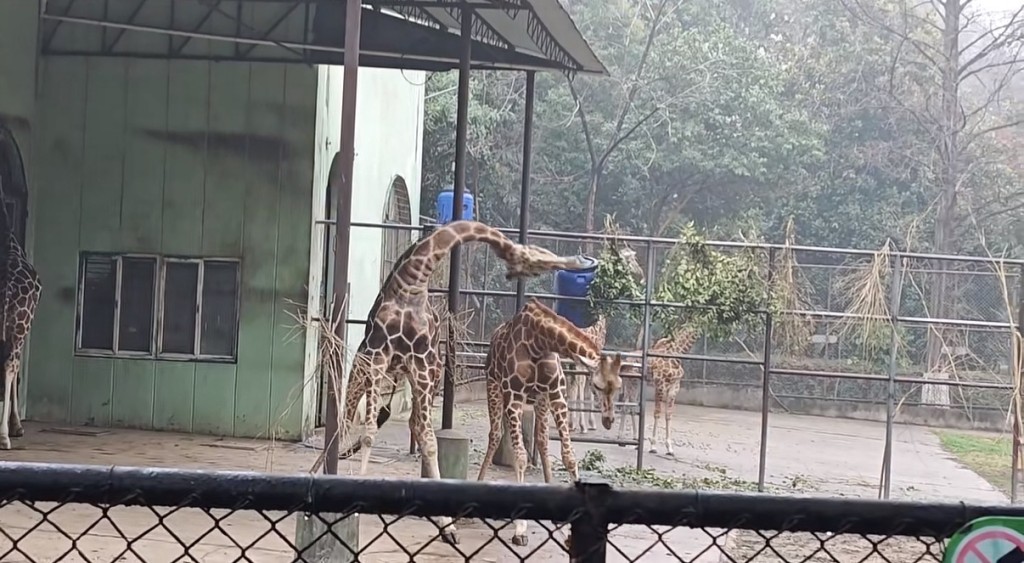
(808, 455)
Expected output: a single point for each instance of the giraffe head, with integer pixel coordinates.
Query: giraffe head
(606, 380)
(526, 260)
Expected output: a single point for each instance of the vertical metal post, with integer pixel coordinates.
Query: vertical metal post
(895, 292)
(588, 542)
(341, 184)
(524, 186)
(645, 344)
(459, 191)
(1016, 349)
(762, 455)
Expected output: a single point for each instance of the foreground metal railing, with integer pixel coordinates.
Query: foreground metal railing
(93, 513)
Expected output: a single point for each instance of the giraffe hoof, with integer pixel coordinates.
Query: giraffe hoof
(520, 540)
(449, 537)
(17, 432)
(653, 450)
(5, 443)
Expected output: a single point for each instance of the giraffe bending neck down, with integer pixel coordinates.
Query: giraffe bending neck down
(402, 336)
(20, 289)
(522, 366)
(665, 374)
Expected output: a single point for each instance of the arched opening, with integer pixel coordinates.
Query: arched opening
(397, 211)
(13, 184)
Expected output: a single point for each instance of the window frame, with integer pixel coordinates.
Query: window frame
(159, 298)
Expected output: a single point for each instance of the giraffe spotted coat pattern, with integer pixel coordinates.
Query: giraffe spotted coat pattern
(402, 337)
(665, 374)
(522, 367)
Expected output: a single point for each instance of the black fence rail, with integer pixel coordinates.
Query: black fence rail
(52, 513)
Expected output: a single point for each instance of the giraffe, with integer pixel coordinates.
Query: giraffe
(20, 288)
(580, 394)
(522, 366)
(402, 336)
(666, 375)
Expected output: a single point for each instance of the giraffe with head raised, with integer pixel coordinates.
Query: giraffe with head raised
(20, 288)
(581, 394)
(523, 366)
(402, 336)
(665, 374)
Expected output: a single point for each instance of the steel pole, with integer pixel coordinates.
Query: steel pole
(524, 186)
(895, 292)
(341, 184)
(766, 391)
(459, 190)
(645, 343)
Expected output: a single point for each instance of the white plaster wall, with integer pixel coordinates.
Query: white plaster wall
(388, 143)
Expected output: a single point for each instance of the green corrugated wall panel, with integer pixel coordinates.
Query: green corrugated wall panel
(295, 193)
(173, 396)
(237, 138)
(57, 164)
(259, 246)
(132, 403)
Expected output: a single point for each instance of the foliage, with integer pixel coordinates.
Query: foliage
(721, 293)
(614, 279)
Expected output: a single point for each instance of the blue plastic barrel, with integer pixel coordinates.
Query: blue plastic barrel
(444, 206)
(576, 283)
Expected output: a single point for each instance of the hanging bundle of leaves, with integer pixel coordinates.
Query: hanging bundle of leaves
(722, 293)
(616, 276)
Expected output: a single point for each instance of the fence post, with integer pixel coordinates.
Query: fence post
(588, 540)
(895, 292)
(766, 390)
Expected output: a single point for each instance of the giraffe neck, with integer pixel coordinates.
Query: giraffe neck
(412, 272)
(557, 334)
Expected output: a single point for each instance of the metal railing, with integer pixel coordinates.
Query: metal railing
(893, 379)
(104, 514)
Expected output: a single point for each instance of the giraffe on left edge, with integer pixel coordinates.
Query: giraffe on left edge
(20, 288)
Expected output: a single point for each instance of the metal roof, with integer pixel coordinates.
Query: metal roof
(410, 34)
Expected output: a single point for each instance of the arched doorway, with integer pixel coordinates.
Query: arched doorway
(13, 183)
(397, 211)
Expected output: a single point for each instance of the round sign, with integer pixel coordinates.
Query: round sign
(991, 539)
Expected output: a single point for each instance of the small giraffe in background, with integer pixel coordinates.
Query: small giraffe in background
(402, 336)
(666, 374)
(522, 366)
(580, 394)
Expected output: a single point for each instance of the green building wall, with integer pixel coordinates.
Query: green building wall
(175, 158)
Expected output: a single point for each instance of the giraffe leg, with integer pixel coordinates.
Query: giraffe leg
(494, 415)
(16, 429)
(657, 414)
(9, 390)
(590, 402)
(514, 419)
(540, 436)
(423, 385)
(575, 391)
(670, 403)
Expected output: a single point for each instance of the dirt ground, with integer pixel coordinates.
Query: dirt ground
(808, 455)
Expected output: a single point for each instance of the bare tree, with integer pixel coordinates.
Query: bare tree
(951, 67)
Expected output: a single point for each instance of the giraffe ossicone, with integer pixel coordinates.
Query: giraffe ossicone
(523, 367)
(402, 337)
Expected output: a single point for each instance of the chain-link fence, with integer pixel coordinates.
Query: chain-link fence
(53, 513)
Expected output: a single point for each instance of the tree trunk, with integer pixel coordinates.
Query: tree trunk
(939, 364)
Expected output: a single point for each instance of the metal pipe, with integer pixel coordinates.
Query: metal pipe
(459, 191)
(524, 185)
(895, 292)
(1016, 349)
(762, 456)
(645, 344)
(341, 181)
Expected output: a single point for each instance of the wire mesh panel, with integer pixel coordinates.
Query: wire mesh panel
(91, 513)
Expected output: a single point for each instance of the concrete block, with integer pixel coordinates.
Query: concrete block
(318, 545)
(452, 455)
